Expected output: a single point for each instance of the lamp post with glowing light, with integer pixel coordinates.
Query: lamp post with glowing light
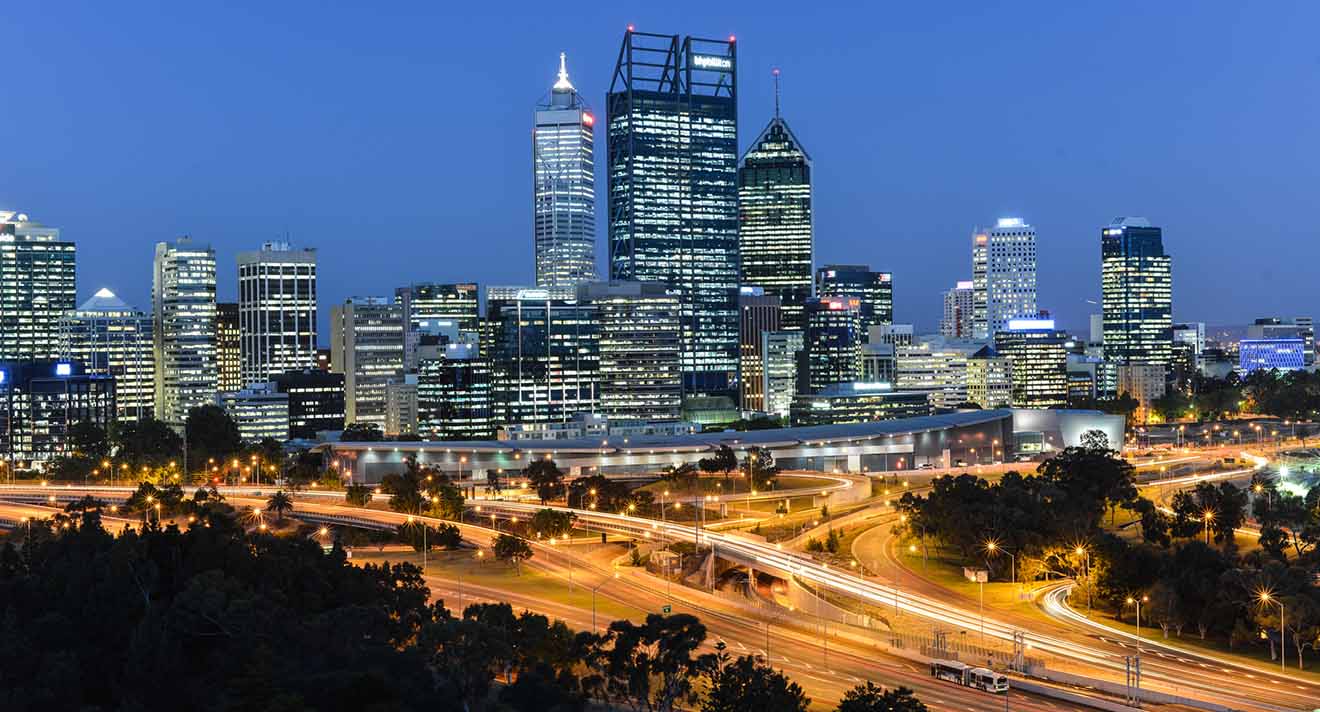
(993, 547)
(1131, 600)
(1086, 559)
(1267, 597)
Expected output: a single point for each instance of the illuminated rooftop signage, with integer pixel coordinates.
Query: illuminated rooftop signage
(1030, 324)
(1010, 222)
(707, 61)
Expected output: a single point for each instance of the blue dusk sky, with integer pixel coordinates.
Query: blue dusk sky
(395, 136)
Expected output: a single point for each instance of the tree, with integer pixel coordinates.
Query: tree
(724, 460)
(212, 433)
(280, 503)
(873, 698)
(89, 440)
(759, 464)
(1173, 405)
(651, 665)
(508, 547)
(362, 433)
(358, 495)
(683, 474)
(1095, 440)
(146, 441)
(552, 523)
(546, 478)
(747, 684)
(419, 535)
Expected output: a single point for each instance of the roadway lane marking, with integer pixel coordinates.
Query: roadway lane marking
(741, 646)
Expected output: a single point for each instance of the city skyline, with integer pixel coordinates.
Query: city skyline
(910, 218)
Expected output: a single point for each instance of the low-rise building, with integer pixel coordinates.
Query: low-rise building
(858, 403)
(260, 411)
(316, 401)
(40, 400)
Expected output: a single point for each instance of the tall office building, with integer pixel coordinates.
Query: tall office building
(758, 313)
(366, 345)
(1003, 276)
(228, 347)
(989, 379)
(1037, 361)
(37, 287)
(276, 310)
(1136, 281)
(874, 290)
(957, 322)
(564, 187)
(435, 309)
(673, 187)
(316, 401)
(774, 218)
(110, 338)
(545, 357)
(780, 353)
(184, 328)
(453, 395)
(640, 373)
(832, 342)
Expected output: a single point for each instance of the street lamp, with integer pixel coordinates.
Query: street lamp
(1208, 517)
(1138, 601)
(993, 547)
(1086, 557)
(1267, 597)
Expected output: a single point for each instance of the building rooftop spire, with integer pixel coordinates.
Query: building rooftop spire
(563, 84)
(775, 72)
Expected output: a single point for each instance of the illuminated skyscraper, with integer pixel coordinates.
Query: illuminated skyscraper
(110, 338)
(673, 173)
(276, 310)
(228, 348)
(184, 328)
(957, 322)
(774, 218)
(431, 309)
(37, 287)
(758, 313)
(545, 357)
(1037, 361)
(874, 291)
(1003, 276)
(366, 345)
(833, 342)
(640, 376)
(564, 187)
(1136, 281)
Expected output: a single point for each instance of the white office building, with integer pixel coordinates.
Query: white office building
(1003, 276)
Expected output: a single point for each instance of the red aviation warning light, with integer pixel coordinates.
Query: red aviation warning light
(588, 119)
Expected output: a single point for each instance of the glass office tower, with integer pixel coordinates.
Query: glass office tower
(184, 328)
(564, 187)
(545, 357)
(673, 174)
(110, 338)
(774, 227)
(1003, 276)
(36, 287)
(276, 310)
(1136, 281)
(874, 290)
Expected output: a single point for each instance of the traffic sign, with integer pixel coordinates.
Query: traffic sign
(666, 609)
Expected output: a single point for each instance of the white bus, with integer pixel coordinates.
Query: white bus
(968, 676)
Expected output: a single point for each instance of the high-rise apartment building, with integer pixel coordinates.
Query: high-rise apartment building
(37, 287)
(228, 347)
(366, 345)
(545, 357)
(1037, 360)
(832, 342)
(434, 309)
(276, 310)
(184, 328)
(1003, 276)
(1136, 281)
(873, 290)
(564, 187)
(110, 338)
(673, 187)
(758, 313)
(957, 321)
(640, 372)
(775, 220)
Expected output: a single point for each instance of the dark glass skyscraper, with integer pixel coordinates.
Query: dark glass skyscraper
(673, 182)
(1137, 293)
(874, 289)
(774, 229)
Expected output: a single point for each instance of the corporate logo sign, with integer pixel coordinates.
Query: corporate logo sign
(710, 61)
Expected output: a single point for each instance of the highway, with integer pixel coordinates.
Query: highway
(1091, 656)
